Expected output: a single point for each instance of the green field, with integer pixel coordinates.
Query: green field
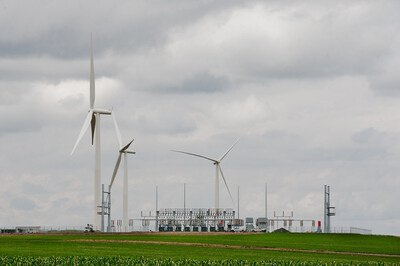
(242, 247)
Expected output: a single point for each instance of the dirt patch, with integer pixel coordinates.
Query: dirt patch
(236, 247)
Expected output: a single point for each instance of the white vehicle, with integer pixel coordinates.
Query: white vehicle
(237, 229)
(263, 230)
(89, 228)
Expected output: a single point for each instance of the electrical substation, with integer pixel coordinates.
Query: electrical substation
(195, 220)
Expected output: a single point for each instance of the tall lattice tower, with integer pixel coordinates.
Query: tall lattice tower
(328, 210)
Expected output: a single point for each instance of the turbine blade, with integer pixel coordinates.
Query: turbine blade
(93, 124)
(117, 130)
(83, 130)
(127, 146)
(226, 185)
(115, 169)
(223, 156)
(92, 85)
(197, 155)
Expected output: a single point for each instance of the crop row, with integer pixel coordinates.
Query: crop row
(86, 260)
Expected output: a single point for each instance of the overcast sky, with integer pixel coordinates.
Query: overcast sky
(312, 88)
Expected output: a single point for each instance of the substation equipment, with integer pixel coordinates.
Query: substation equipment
(286, 221)
(193, 220)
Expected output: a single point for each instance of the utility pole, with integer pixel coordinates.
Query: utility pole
(184, 196)
(238, 204)
(266, 202)
(156, 209)
(109, 209)
(184, 202)
(105, 208)
(102, 208)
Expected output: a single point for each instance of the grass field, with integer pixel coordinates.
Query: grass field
(241, 247)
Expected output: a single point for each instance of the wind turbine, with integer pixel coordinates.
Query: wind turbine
(122, 150)
(93, 118)
(218, 170)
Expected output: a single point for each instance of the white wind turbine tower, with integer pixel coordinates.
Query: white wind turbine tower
(217, 171)
(93, 118)
(122, 150)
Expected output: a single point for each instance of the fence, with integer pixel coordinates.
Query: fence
(149, 228)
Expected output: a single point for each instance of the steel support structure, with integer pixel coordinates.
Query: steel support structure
(105, 208)
(178, 217)
(328, 209)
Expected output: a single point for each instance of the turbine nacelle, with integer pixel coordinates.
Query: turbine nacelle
(126, 146)
(100, 111)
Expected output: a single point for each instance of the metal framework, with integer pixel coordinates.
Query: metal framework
(328, 210)
(176, 219)
(287, 221)
(105, 208)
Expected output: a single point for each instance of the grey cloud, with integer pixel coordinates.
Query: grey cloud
(59, 43)
(11, 93)
(341, 154)
(366, 135)
(65, 31)
(70, 102)
(298, 41)
(388, 88)
(371, 138)
(29, 117)
(32, 188)
(288, 146)
(200, 83)
(277, 135)
(323, 48)
(18, 121)
(30, 69)
(164, 123)
(386, 82)
(22, 203)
